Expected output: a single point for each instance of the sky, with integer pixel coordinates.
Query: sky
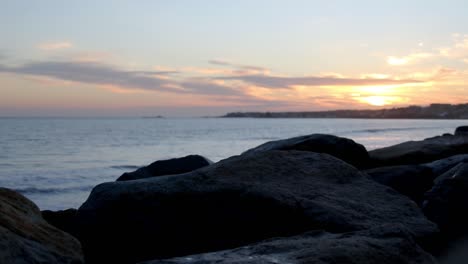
(207, 58)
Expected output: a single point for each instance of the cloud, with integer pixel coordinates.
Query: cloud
(220, 62)
(208, 87)
(105, 75)
(397, 61)
(92, 73)
(411, 58)
(457, 51)
(238, 66)
(288, 82)
(55, 45)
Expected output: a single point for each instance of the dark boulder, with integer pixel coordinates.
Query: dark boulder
(410, 180)
(167, 167)
(439, 167)
(417, 152)
(235, 202)
(461, 131)
(381, 245)
(27, 238)
(447, 202)
(64, 220)
(342, 148)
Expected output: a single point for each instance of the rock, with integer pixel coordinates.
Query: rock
(342, 148)
(461, 131)
(64, 220)
(447, 202)
(167, 167)
(416, 152)
(410, 180)
(439, 167)
(387, 244)
(27, 238)
(235, 202)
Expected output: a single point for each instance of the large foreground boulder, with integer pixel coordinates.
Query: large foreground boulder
(416, 152)
(236, 202)
(447, 202)
(167, 167)
(389, 244)
(410, 180)
(342, 148)
(27, 238)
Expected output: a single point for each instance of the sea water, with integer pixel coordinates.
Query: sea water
(57, 161)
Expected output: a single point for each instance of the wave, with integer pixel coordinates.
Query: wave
(379, 130)
(36, 190)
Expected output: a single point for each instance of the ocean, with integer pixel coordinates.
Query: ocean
(56, 162)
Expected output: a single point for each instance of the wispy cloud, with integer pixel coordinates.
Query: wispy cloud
(289, 82)
(55, 45)
(105, 75)
(411, 58)
(458, 50)
(208, 87)
(241, 68)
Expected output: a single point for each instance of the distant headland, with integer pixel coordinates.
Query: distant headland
(433, 111)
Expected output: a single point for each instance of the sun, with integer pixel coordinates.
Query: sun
(376, 100)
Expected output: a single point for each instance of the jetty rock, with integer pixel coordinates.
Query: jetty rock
(441, 166)
(387, 244)
(461, 131)
(339, 147)
(236, 202)
(410, 180)
(63, 219)
(25, 237)
(417, 152)
(447, 202)
(167, 167)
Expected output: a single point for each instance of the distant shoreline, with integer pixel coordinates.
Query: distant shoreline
(433, 111)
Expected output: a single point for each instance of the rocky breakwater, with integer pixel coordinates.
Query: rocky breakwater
(311, 199)
(273, 194)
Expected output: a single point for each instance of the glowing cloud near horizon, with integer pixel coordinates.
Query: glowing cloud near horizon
(396, 61)
(375, 100)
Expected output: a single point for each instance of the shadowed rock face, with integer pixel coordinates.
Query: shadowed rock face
(27, 238)
(410, 180)
(416, 152)
(167, 167)
(447, 202)
(461, 131)
(342, 148)
(388, 244)
(235, 202)
(64, 219)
